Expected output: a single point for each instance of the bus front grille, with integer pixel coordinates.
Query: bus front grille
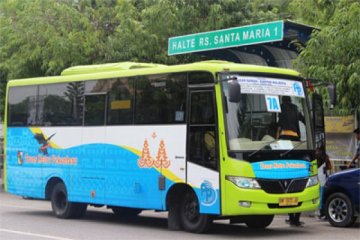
(283, 185)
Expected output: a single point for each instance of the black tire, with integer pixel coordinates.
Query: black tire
(123, 212)
(190, 218)
(259, 221)
(339, 210)
(61, 207)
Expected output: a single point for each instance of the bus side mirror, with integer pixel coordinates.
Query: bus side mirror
(234, 92)
(318, 113)
(332, 93)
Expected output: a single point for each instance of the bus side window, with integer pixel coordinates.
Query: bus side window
(22, 106)
(94, 114)
(121, 102)
(60, 104)
(160, 99)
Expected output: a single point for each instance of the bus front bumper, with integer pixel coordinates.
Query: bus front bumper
(239, 201)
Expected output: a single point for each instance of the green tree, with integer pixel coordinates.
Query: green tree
(145, 25)
(313, 12)
(3, 80)
(333, 54)
(42, 37)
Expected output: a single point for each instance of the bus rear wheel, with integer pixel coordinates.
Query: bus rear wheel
(61, 207)
(259, 221)
(190, 218)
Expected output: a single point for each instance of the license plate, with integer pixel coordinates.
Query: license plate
(292, 201)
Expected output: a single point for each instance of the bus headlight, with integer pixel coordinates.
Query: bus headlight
(312, 181)
(242, 182)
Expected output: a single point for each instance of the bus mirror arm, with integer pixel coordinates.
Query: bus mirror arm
(226, 104)
(331, 88)
(234, 92)
(332, 93)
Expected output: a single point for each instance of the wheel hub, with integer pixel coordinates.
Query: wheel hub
(338, 210)
(61, 201)
(191, 211)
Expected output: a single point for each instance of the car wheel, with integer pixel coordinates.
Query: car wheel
(339, 210)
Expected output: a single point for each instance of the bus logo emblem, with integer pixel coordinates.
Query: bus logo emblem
(208, 193)
(284, 184)
(297, 89)
(44, 142)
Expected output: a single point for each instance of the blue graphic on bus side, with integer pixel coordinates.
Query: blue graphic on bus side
(97, 173)
(94, 173)
(281, 169)
(208, 193)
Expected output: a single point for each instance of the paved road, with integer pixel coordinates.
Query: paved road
(32, 219)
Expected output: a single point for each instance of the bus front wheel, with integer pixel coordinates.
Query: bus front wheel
(61, 207)
(190, 217)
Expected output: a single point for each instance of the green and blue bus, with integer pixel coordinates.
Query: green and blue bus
(197, 140)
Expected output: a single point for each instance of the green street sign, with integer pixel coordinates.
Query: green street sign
(226, 38)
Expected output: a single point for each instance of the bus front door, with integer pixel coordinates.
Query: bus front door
(202, 153)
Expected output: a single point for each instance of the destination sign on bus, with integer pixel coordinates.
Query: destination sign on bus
(270, 86)
(225, 38)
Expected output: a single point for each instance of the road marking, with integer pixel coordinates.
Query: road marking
(33, 234)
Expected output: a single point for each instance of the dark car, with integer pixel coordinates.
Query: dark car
(341, 198)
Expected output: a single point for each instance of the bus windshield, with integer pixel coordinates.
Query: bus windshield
(269, 114)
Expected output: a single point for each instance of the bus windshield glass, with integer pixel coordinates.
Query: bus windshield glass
(265, 113)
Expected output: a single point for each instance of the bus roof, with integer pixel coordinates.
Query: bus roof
(107, 67)
(129, 69)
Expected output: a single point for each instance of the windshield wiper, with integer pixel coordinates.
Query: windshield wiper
(266, 145)
(285, 153)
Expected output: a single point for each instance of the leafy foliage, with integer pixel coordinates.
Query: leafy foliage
(3, 80)
(333, 55)
(42, 37)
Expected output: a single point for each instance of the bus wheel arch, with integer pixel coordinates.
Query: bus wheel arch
(173, 204)
(183, 205)
(50, 186)
(61, 207)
